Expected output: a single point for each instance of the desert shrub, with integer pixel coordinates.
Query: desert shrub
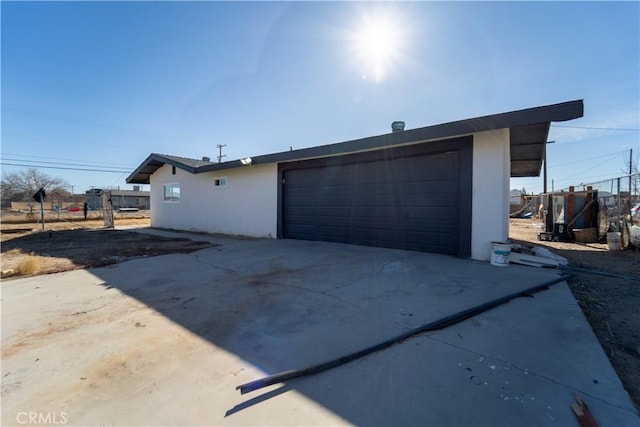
(30, 265)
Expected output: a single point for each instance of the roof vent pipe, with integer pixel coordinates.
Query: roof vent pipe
(397, 126)
(206, 159)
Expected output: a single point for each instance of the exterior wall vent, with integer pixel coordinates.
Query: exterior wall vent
(397, 126)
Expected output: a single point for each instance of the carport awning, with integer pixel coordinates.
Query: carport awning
(529, 130)
(527, 149)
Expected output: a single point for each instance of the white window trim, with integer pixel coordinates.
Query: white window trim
(164, 200)
(220, 178)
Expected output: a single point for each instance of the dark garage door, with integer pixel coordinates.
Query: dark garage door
(400, 198)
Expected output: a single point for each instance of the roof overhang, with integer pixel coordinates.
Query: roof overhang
(529, 129)
(155, 161)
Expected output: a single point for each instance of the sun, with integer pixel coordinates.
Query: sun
(377, 43)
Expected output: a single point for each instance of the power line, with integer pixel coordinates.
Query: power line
(596, 128)
(59, 163)
(63, 168)
(566, 178)
(585, 160)
(83, 162)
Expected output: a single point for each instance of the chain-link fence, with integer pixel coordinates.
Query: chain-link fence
(618, 200)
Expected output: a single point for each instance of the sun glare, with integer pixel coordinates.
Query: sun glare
(377, 43)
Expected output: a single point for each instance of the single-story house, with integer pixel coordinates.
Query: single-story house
(441, 188)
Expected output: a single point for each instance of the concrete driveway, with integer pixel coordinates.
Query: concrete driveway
(165, 341)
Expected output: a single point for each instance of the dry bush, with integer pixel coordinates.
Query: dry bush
(15, 251)
(30, 265)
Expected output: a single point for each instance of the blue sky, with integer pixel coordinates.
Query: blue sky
(101, 85)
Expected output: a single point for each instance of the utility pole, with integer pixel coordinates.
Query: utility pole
(630, 172)
(220, 155)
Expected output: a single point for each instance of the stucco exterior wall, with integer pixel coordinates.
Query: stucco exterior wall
(490, 193)
(246, 206)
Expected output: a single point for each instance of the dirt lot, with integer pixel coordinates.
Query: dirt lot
(68, 245)
(16, 222)
(611, 304)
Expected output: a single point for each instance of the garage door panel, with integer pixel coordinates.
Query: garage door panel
(333, 222)
(374, 237)
(302, 231)
(332, 233)
(374, 223)
(433, 237)
(334, 211)
(442, 186)
(301, 210)
(302, 196)
(333, 200)
(445, 200)
(379, 212)
(431, 210)
(408, 202)
(441, 220)
(373, 188)
(380, 201)
(301, 223)
(428, 229)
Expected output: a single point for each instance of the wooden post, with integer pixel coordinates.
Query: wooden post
(619, 208)
(570, 211)
(548, 220)
(588, 215)
(571, 205)
(42, 212)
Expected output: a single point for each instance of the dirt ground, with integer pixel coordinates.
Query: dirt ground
(65, 246)
(22, 222)
(611, 304)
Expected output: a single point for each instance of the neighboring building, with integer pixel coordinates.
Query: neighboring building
(442, 188)
(515, 197)
(135, 199)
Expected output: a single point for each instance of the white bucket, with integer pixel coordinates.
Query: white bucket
(500, 254)
(614, 241)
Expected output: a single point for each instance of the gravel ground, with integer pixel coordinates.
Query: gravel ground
(611, 304)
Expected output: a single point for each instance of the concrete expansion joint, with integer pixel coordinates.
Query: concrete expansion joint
(228, 270)
(534, 374)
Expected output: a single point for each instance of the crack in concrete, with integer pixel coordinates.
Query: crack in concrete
(98, 308)
(228, 270)
(528, 372)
